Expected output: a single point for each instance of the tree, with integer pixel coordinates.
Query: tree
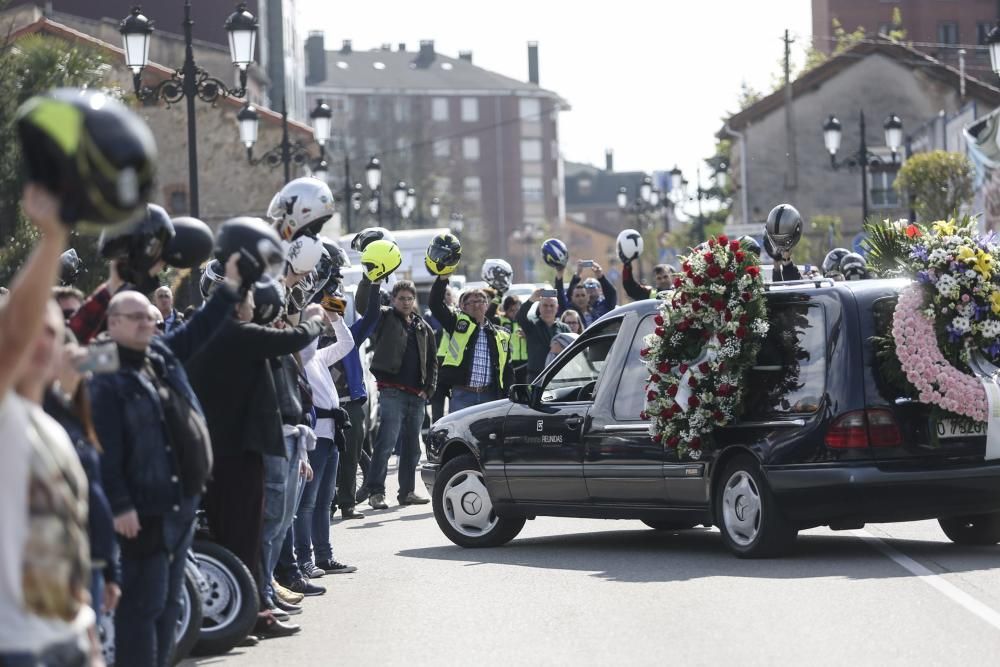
(939, 183)
(29, 66)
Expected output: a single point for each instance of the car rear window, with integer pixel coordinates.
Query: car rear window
(790, 374)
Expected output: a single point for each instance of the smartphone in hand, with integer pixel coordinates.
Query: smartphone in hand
(101, 358)
(587, 263)
(552, 293)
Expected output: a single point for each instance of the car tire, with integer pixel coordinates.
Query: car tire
(189, 623)
(463, 508)
(747, 514)
(670, 525)
(973, 530)
(229, 609)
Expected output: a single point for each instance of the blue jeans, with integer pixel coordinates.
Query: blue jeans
(286, 568)
(402, 416)
(281, 482)
(460, 398)
(146, 618)
(312, 524)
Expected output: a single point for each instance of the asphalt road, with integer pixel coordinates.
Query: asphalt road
(590, 592)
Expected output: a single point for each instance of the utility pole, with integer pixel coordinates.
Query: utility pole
(791, 158)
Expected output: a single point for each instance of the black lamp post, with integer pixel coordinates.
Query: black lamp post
(647, 201)
(286, 152)
(863, 158)
(678, 189)
(190, 81)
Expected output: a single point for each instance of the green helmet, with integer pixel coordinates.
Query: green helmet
(90, 151)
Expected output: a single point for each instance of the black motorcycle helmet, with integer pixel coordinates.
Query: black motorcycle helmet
(854, 267)
(257, 243)
(338, 257)
(831, 263)
(443, 254)
(213, 276)
(366, 236)
(783, 227)
(138, 247)
(192, 244)
(268, 301)
(90, 151)
(70, 267)
(750, 244)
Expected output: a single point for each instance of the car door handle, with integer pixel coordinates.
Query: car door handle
(573, 422)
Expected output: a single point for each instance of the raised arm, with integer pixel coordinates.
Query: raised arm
(439, 309)
(635, 290)
(334, 352)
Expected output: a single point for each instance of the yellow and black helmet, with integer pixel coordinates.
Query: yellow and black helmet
(90, 151)
(443, 254)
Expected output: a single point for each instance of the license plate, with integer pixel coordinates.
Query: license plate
(959, 428)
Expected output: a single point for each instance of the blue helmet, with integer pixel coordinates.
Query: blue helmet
(555, 253)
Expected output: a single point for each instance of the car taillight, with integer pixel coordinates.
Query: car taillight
(875, 427)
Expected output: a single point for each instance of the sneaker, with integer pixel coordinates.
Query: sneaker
(291, 609)
(333, 567)
(377, 501)
(413, 499)
(350, 513)
(306, 587)
(310, 570)
(285, 595)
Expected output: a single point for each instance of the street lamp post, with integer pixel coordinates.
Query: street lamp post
(286, 152)
(863, 158)
(647, 201)
(190, 81)
(678, 189)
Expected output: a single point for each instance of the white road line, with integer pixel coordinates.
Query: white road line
(933, 580)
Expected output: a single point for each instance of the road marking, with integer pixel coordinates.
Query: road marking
(932, 579)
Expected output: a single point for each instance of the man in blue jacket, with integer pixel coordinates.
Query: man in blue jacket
(349, 376)
(157, 458)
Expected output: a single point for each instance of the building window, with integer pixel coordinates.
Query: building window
(584, 187)
(472, 189)
(470, 109)
(530, 108)
(948, 32)
(531, 150)
(402, 110)
(372, 108)
(982, 31)
(470, 148)
(177, 200)
(439, 108)
(881, 192)
(442, 148)
(442, 185)
(531, 189)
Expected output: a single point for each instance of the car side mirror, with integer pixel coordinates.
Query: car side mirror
(523, 394)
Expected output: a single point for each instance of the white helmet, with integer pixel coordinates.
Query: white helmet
(629, 245)
(303, 254)
(302, 207)
(497, 274)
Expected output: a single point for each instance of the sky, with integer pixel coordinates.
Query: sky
(649, 79)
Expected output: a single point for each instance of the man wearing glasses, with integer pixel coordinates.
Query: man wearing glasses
(405, 367)
(476, 360)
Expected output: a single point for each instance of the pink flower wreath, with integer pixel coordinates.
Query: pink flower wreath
(937, 381)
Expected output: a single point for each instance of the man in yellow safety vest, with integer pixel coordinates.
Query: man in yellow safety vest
(518, 344)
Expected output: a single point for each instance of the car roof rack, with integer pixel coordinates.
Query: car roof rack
(807, 282)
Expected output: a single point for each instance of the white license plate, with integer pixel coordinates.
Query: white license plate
(959, 428)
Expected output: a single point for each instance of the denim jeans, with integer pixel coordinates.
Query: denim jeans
(281, 482)
(146, 618)
(312, 523)
(460, 398)
(402, 415)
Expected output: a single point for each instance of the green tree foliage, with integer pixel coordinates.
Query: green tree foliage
(939, 183)
(31, 65)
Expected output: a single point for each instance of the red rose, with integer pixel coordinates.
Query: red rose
(683, 325)
(644, 352)
(657, 438)
(695, 443)
(728, 316)
(740, 256)
(654, 378)
(753, 271)
(684, 299)
(697, 281)
(659, 320)
(704, 367)
(711, 243)
(741, 332)
(714, 271)
(650, 395)
(705, 296)
(677, 409)
(745, 296)
(734, 245)
(695, 306)
(666, 412)
(723, 239)
(723, 390)
(643, 415)
(719, 305)
(663, 367)
(677, 282)
(659, 331)
(692, 381)
(722, 338)
(729, 276)
(693, 402)
(718, 415)
(672, 390)
(743, 319)
(709, 257)
(682, 369)
(673, 441)
(686, 267)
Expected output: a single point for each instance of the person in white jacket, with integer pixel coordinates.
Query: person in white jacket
(312, 523)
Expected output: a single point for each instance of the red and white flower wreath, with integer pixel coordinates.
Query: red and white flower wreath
(708, 332)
